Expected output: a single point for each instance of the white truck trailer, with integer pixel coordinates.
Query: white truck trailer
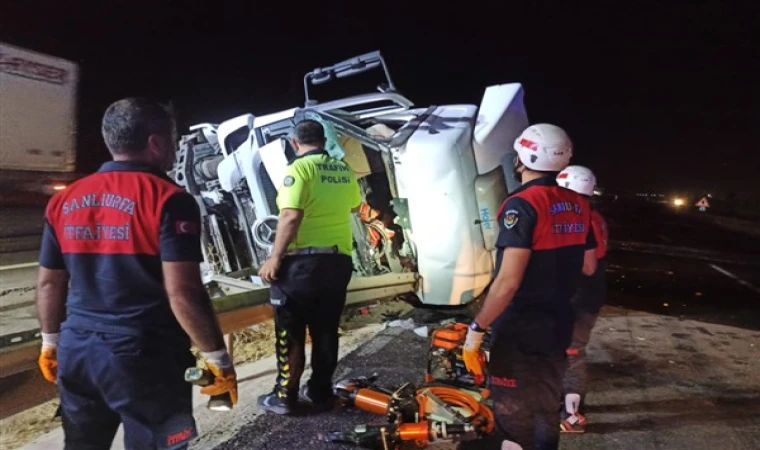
(38, 120)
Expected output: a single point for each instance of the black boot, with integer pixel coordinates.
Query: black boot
(317, 403)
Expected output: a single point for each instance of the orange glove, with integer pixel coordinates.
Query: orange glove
(471, 352)
(225, 381)
(48, 364)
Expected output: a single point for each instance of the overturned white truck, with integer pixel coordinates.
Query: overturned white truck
(432, 180)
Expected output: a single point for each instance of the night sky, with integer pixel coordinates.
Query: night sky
(655, 97)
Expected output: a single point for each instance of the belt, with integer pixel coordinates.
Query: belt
(315, 251)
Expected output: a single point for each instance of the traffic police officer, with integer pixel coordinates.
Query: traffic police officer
(117, 340)
(587, 302)
(544, 243)
(309, 268)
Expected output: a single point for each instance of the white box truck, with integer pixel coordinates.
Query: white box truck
(38, 118)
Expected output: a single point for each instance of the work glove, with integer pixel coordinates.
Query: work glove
(220, 365)
(48, 360)
(471, 352)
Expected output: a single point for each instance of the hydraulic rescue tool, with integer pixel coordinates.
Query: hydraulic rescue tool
(390, 436)
(445, 362)
(202, 377)
(449, 406)
(422, 415)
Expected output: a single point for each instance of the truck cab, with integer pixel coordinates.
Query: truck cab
(432, 180)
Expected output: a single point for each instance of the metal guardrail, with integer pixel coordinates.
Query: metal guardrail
(245, 304)
(13, 339)
(12, 244)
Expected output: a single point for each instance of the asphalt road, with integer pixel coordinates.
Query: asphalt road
(667, 225)
(673, 360)
(658, 383)
(713, 276)
(673, 365)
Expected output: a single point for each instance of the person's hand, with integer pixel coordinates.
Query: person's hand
(220, 365)
(268, 270)
(48, 360)
(225, 382)
(471, 352)
(48, 364)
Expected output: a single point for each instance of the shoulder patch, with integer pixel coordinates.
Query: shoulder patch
(186, 227)
(510, 218)
(288, 181)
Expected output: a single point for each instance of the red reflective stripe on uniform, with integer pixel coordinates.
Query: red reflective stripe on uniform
(501, 209)
(573, 352)
(563, 216)
(111, 213)
(601, 233)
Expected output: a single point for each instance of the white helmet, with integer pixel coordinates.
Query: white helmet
(579, 179)
(544, 147)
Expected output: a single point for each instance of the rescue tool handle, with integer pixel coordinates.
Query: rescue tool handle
(203, 377)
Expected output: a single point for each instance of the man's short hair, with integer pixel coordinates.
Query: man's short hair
(129, 122)
(309, 132)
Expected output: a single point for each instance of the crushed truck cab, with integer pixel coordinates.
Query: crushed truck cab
(432, 180)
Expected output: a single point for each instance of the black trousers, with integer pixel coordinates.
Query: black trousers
(105, 379)
(310, 292)
(526, 395)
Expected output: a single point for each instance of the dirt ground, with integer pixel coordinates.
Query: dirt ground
(253, 344)
(16, 431)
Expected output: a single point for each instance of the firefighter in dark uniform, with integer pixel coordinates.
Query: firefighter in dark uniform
(309, 268)
(117, 339)
(587, 303)
(544, 244)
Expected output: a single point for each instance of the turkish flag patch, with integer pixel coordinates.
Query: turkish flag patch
(186, 227)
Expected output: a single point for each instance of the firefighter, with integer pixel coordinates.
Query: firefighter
(117, 340)
(587, 302)
(309, 269)
(543, 246)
